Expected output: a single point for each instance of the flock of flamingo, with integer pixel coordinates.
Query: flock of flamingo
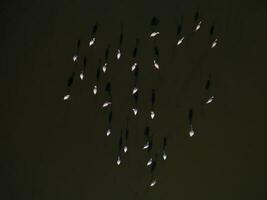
(123, 148)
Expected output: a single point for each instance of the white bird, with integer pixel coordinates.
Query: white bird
(149, 162)
(66, 97)
(95, 89)
(92, 41)
(191, 132)
(154, 34)
(118, 160)
(214, 43)
(153, 183)
(152, 114)
(75, 57)
(180, 41)
(156, 65)
(104, 68)
(135, 90)
(164, 156)
(210, 100)
(108, 132)
(81, 75)
(118, 54)
(146, 145)
(198, 26)
(135, 111)
(107, 103)
(125, 149)
(133, 66)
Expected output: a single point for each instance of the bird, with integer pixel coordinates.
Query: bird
(106, 103)
(210, 100)
(75, 56)
(149, 162)
(118, 160)
(164, 155)
(135, 89)
(104, 67)
(135, 111)
(154, 23)
(152, 114)
(120, 43)
(146, 133)
(190, 116)
(180, 41)
(153, 99)
(153, 34)
(152, 171)
(120, 148)
(214, 43)
(125, 149)
(156, 65)
(95, 89)
(118, 54)
(146, 145)
(66, 97)
(108, 132)
(93, 37)
(83, 70)
(198, 26)
(133, 67)
(191, 131)
(153, 183)
(91, 42)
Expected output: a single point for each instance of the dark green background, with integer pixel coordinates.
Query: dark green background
(50, 149)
